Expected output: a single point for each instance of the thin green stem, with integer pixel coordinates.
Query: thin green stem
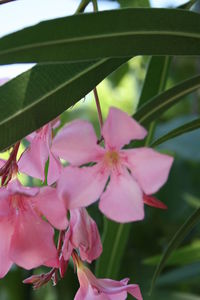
(82, 6)
(95, 5)
(98, 107)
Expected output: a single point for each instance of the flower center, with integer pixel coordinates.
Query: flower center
(111, 158)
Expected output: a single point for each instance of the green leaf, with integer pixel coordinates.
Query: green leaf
(183, 274)
(159, 104)
(189, 224)
(191, 200)
(155, 78)
(184, 255)
(188, 5)
(114, 33)
(177, 132)
(42, 93)
(114, 241)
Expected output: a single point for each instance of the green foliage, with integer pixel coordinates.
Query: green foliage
(44, 92)
(73, 38)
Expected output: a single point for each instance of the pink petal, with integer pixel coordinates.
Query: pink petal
(122, 201)
(6, 231)
(52, 207)
(15, 187)
(85, 234)
(32, 241)
(80, 187)
(54, 170)
(119, 129)
(152, 201)
(33, 160)
(67, 246)
(4, 203)
(149, 168)
(76, 143)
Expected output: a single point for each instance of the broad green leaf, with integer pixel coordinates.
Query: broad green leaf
(114, 33)
(177, 132)
(189, 224)
(42, 93)
(155, 78)
(114, 241)
(159, 104)
(184, 255)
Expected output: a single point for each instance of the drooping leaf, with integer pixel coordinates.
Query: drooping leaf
(42, 93)
(177, 132)
(114, 33)
(161, 103)
(189, 224)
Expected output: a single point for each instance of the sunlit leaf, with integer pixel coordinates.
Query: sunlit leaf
(114, 33)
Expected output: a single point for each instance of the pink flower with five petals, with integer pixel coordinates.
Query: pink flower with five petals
(119, 177)
(26, 239)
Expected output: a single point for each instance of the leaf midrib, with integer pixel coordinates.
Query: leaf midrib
(35, 103)
(102, 36)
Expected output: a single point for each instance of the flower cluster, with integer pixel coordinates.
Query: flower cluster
(123, 179)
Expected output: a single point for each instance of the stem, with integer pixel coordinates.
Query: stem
(98, 107)
(95, 5)
(82, 6)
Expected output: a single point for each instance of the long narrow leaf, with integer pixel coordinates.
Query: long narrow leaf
(177, 132)
(114, 240)
(114, 33)
(175, 241)
(155, 78)
(161, 103)
(42, 93)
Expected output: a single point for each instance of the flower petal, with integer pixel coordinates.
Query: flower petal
(122, 201)
(6, 231)
(33, 160)
(54, 170)
(149, 167)
(52, 207)
(80, 187)
(15, 187)
(85, 234)
(119, 129)
(76, 143)
(32, 241)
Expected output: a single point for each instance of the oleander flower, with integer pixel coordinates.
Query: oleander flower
(26, 238)
(102, 289)
(119, 177)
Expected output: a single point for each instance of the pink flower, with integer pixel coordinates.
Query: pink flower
(33, 160)
(128, 173)
(83, 235)
(102, 289)
(26, 239)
